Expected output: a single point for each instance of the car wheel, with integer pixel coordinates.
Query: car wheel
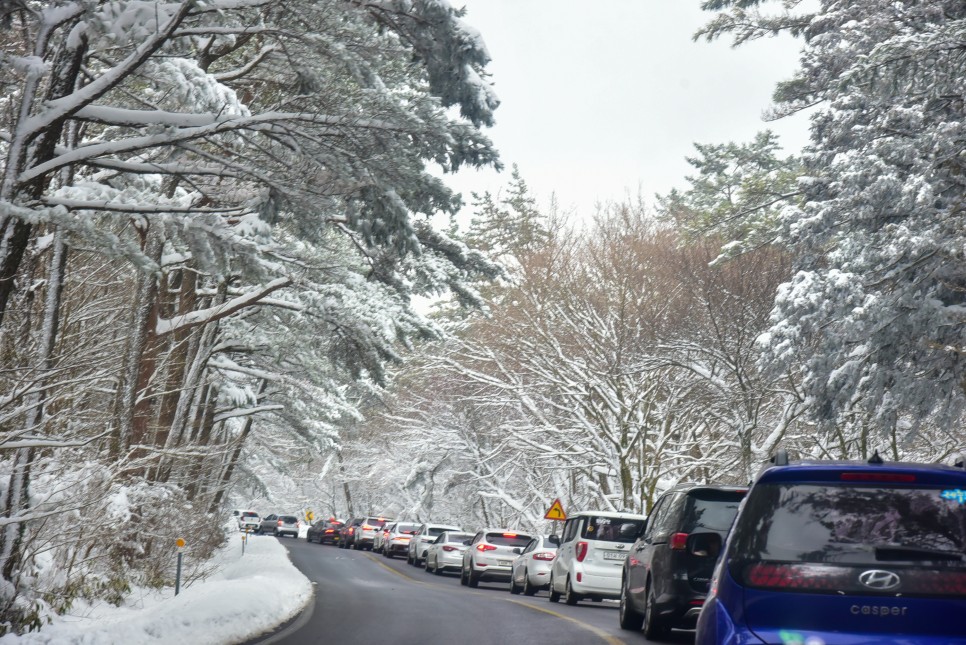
(653, 627)
(463, 580)
(514, 589)
(528, 589)
(629, 618)
(571, 597)
(474, 580)
(437, 570)
(554, 594)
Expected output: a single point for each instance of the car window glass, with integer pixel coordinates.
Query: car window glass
(656, 513)
(458, 537)
(407, 529)
(611, 529)
(710, 510)
(852, 525)
(508, 539)
(570, 530)
(662, 522)
(433, 531)
(531, 545)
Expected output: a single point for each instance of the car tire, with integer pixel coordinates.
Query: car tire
(474, 579)
(629, 618)
(570, 596)
(514, 589)
(653, 627)
(463, 580)
(528, 589)
(554, 594)
(437, 570)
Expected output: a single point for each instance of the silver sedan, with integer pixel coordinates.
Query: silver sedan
(530, 572)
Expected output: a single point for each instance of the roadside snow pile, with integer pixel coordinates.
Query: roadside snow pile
(247, 595)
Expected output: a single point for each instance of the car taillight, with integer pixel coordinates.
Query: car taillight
(449, 548)
(280, 522)
(581, 551)
(485, 547)
(797, 576)
(679, 541)
(366, 527)
(543, 556)
(351, 531)
(329, 531)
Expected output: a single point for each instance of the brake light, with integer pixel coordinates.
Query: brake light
(351, 531)
(543, 555)
(904, 478)
(280, 522)
(485, 547)
(366, 527)
(448, 548)
(679, 541)
(509, 535)
(581, 551)
(797, 576)
(329, 531)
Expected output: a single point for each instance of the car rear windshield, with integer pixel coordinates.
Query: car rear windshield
(249, 515)
(408, 529)
(508, 539)
(458, 537)
(612, 529)
(711, 510)
(859, 525)
(288, 519)
(375, 521)
(435, 531)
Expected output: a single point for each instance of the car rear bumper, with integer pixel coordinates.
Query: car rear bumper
(597, 585)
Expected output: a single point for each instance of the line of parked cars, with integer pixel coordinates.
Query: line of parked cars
(823, 552)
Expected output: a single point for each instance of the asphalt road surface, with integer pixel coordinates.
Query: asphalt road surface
(364, 599)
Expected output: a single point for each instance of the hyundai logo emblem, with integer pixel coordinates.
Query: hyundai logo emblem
(879, 579)
(620, 546)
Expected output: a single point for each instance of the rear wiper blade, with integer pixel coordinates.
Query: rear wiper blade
(893, 552)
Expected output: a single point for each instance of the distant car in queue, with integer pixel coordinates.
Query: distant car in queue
(324, 532)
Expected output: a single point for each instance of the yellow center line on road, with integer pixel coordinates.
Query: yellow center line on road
(596, 631)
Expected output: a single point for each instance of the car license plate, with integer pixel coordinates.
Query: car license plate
(611, 555)
(505, 563)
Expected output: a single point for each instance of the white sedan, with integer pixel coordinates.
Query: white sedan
(447, 552)
(530, 572)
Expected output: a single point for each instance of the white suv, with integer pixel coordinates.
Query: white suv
(366, 533)
(591, 555)
(426, 535)
(491, 555)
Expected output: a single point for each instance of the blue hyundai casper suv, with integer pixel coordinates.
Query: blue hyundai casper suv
(843, 553)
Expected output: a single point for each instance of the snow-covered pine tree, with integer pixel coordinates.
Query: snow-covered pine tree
(877, 294)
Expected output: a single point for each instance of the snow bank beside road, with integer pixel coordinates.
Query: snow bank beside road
(249, 594)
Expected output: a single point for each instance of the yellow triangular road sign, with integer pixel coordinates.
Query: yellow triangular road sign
(555, 512)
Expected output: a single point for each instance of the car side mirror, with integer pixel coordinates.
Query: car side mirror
(518, 550)
(467, 542)
(554, 539)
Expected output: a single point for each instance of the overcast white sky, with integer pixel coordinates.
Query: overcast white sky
(603, 98)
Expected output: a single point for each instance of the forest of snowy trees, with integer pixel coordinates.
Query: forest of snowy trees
(227, 275)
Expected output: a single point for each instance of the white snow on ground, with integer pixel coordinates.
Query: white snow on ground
(247, 595)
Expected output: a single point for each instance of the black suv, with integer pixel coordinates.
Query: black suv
(668, 570)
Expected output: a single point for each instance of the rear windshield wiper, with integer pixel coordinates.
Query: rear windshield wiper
(895, 552)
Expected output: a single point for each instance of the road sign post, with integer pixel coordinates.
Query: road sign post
(177, 576)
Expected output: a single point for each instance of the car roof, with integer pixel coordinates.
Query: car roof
(505, 530)
(622, 516)
(448, 527)
(857, 472)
